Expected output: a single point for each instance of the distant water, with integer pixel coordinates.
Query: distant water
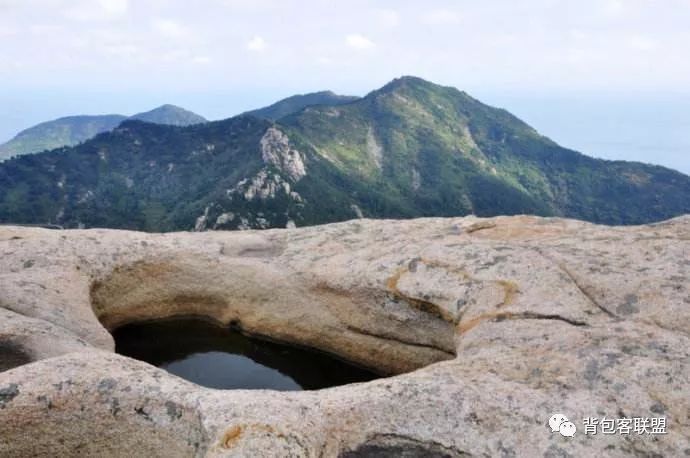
(646, 128)
(216, 357)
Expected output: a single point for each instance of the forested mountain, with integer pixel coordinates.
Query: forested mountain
(71, 130)
(411, 148)
(170, 115)
(296, 103)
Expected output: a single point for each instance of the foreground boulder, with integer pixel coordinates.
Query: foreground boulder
(486, 326)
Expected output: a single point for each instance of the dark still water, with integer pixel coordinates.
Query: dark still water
(210, 355)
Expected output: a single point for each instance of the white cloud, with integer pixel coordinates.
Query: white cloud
(175, 55)
(169, 28)
(358, 41)
(97, 11)
(248, 5)
(441, 17)
(388, 18)
(6, 31)
(614, 7)
(123, 50)
(578, 34)
(256, 44)
(114, 7)
(201, 60)
(642, 43)
(532, 44)
(42, 30)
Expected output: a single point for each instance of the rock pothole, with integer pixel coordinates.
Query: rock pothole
(484, 333)
(214, 356)
(265, 304)
(12, 355)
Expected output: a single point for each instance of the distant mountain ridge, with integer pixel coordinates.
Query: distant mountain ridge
(298, 102)
(409, 149)
(71, 130)
(170, 115)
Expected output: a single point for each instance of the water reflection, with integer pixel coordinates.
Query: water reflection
(210, 355)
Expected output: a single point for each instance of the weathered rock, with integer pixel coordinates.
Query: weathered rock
(502, 322)
(276, 151)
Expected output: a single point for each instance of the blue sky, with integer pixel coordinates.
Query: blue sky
(595, 75)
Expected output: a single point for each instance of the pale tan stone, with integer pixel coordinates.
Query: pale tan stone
(502, 321)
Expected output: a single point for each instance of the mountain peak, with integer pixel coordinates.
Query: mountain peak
(412, 79)
(411, 148)
(170, 114)
(419, 88)
(406, 81)
(295, 103)
(72, 130)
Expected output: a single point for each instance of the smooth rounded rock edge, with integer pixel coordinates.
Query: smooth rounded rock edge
(545, 315)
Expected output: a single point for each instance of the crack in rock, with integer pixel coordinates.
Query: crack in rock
(399, 340)
(465, 326)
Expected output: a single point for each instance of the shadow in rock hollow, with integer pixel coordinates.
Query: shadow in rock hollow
(211, 355)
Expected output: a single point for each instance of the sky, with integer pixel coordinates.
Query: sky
(610, 78)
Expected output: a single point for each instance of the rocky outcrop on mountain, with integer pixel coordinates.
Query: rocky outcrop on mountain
(490, 326)
(409, 149)
(276, 151)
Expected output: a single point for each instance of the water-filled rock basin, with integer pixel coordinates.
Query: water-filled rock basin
(220, 357)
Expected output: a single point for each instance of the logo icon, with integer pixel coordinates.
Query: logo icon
(559, 422)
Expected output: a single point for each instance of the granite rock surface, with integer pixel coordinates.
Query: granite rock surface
(484, 327)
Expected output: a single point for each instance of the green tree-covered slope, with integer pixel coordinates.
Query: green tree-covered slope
(296, 103)
(438, 151)
(65, 131)
(171, 115)
(411, 148)
(71, 130)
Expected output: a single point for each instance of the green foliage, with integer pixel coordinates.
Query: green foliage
(297, 103)
(472, 158)
(409, 149)
(72, 130)
(139, 176)
(170, 115)
(67, 131)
